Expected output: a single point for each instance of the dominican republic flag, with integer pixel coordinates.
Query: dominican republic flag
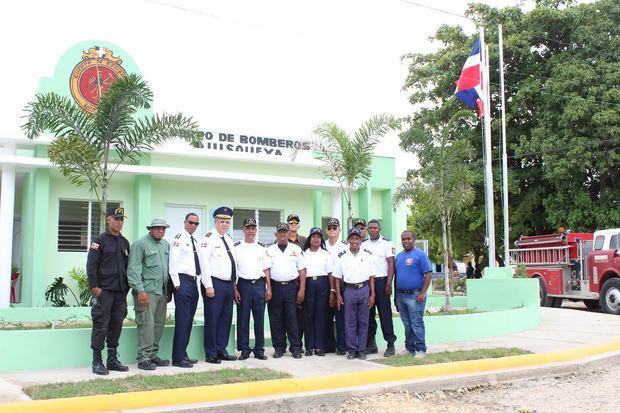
(469, 86)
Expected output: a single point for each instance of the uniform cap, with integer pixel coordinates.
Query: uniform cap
(158, 223)
(282, 226)
(223, 212)
(292, 217)
(353, 232)
(315, 230)
(360, 222)
(116, 212)
(249, 222)
(333, 221)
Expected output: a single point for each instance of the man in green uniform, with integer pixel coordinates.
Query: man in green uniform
(147, 274)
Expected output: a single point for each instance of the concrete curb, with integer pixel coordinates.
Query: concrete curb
(507, 368)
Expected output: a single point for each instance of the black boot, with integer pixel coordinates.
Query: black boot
(113, 361)
(98, 367)
(371, 346)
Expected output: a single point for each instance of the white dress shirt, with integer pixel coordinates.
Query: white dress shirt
(252, 260)
(381, 249)
(214, 260)
(285, 266)
(353, 268)
(318, 263)
(182, 256)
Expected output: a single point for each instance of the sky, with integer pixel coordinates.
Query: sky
(271, 68)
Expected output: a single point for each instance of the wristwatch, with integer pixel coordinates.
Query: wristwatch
(333, 290)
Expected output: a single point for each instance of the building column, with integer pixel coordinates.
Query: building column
(143, 189)
(7, 212)
(317, 208)
(337, 206)
(388, 222)
(364, 201)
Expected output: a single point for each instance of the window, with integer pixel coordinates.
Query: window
(266, 220)
(613, 242)
(598, 242)
(78, 224)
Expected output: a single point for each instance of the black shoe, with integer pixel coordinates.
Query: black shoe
(245, 354)
(147, 365)
(183, 363)
(260, 356)
(213, 360)
(99, 368)
(159, 362)
(361, 355)
(115, 365)
(308, 353)
(372, 350)
(390, 351)
(277, 354)
(226, 357)
(193, 361)
(341, 352)
(351, 355)
(297, 355)
(319, 353)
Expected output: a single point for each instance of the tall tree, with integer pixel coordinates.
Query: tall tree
(348, 160)
(563, 115)
(88, 148)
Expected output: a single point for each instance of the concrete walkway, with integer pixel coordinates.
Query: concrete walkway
(560, 329)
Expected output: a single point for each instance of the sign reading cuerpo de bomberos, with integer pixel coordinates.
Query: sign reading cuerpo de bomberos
(230, 142)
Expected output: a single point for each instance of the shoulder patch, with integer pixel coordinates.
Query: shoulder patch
(208, 234)
(94, 246)
(177, 236)
(261, 244)
(367, 251)
(341, 253)
(237, 243)
(385, 238)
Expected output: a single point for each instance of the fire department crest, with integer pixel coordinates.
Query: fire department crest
(93, 75)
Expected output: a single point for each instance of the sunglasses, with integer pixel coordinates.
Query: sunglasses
(194, 223)
(293, 223)
(332, 228)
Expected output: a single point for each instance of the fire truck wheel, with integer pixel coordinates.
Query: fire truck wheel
(544, 300)
(610, 296)
(592, 304)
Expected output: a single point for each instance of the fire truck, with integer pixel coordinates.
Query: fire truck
(574, 265)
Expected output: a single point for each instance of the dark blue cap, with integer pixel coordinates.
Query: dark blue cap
(353, 232)
(315, 230)
(282, 226)
(249, 222)
(223, 212)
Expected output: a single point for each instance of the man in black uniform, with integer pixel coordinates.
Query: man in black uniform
(107, 277)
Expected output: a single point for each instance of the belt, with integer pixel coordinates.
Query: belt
(379, 278)
(417, 290)
(219, 279)
(316, 277)
(254, 281)
(189, 275)
(285, 282)
(355, 285)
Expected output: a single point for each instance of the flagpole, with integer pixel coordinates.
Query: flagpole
(504, 154)
(488, 172)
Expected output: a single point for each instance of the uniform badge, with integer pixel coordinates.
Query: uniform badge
(294, 253)
(175, 244)
(94, 246)
(409, 261)
(203, 244)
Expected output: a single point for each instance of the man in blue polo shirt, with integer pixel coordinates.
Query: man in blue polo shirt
(413, 277)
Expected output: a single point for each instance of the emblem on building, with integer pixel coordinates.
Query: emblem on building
(93, 75)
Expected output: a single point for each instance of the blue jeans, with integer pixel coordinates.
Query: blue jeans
(411, 314)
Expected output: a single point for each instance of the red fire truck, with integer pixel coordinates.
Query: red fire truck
(576, 266)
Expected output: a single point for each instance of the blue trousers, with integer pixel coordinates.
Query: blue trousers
(384, 306)
(335, 338)
(316, 303)
(185, 302)
(283, 316)
(412, 316)
(356, 317)
(252, 301)
(218, 317)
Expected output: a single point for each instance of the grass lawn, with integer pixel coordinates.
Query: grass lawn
(141, 383)
(448, 356)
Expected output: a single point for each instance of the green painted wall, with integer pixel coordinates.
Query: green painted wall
(383, 173)
(502, 294)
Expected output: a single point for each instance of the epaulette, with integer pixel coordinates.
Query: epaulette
(345, 242)
(208, 234)
(367, 251)
(261, 244)
(177, 236)
(385, 238)
(341, 253)
(237, 243)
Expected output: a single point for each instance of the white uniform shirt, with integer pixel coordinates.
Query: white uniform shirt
(381, 249)
(252, 260)
(352, 268)
(214, 260)
(337, 248)
(182, 256)
(318, 263)
(285, 266)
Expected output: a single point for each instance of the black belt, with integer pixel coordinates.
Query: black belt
(379, 278)
(357, 285)
(417, 290)
(188, 275)
(254, 281)
(285, 282)
(316, 277)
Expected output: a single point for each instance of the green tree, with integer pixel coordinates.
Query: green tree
(88, 148)
(563, 116)
(348, 160)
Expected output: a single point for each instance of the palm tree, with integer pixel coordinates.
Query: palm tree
(90, 147)
(347, 161)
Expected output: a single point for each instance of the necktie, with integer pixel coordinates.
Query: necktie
(233, 275)
(196, 262)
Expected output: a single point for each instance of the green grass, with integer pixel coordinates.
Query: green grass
(141, 383)
(449, 356)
